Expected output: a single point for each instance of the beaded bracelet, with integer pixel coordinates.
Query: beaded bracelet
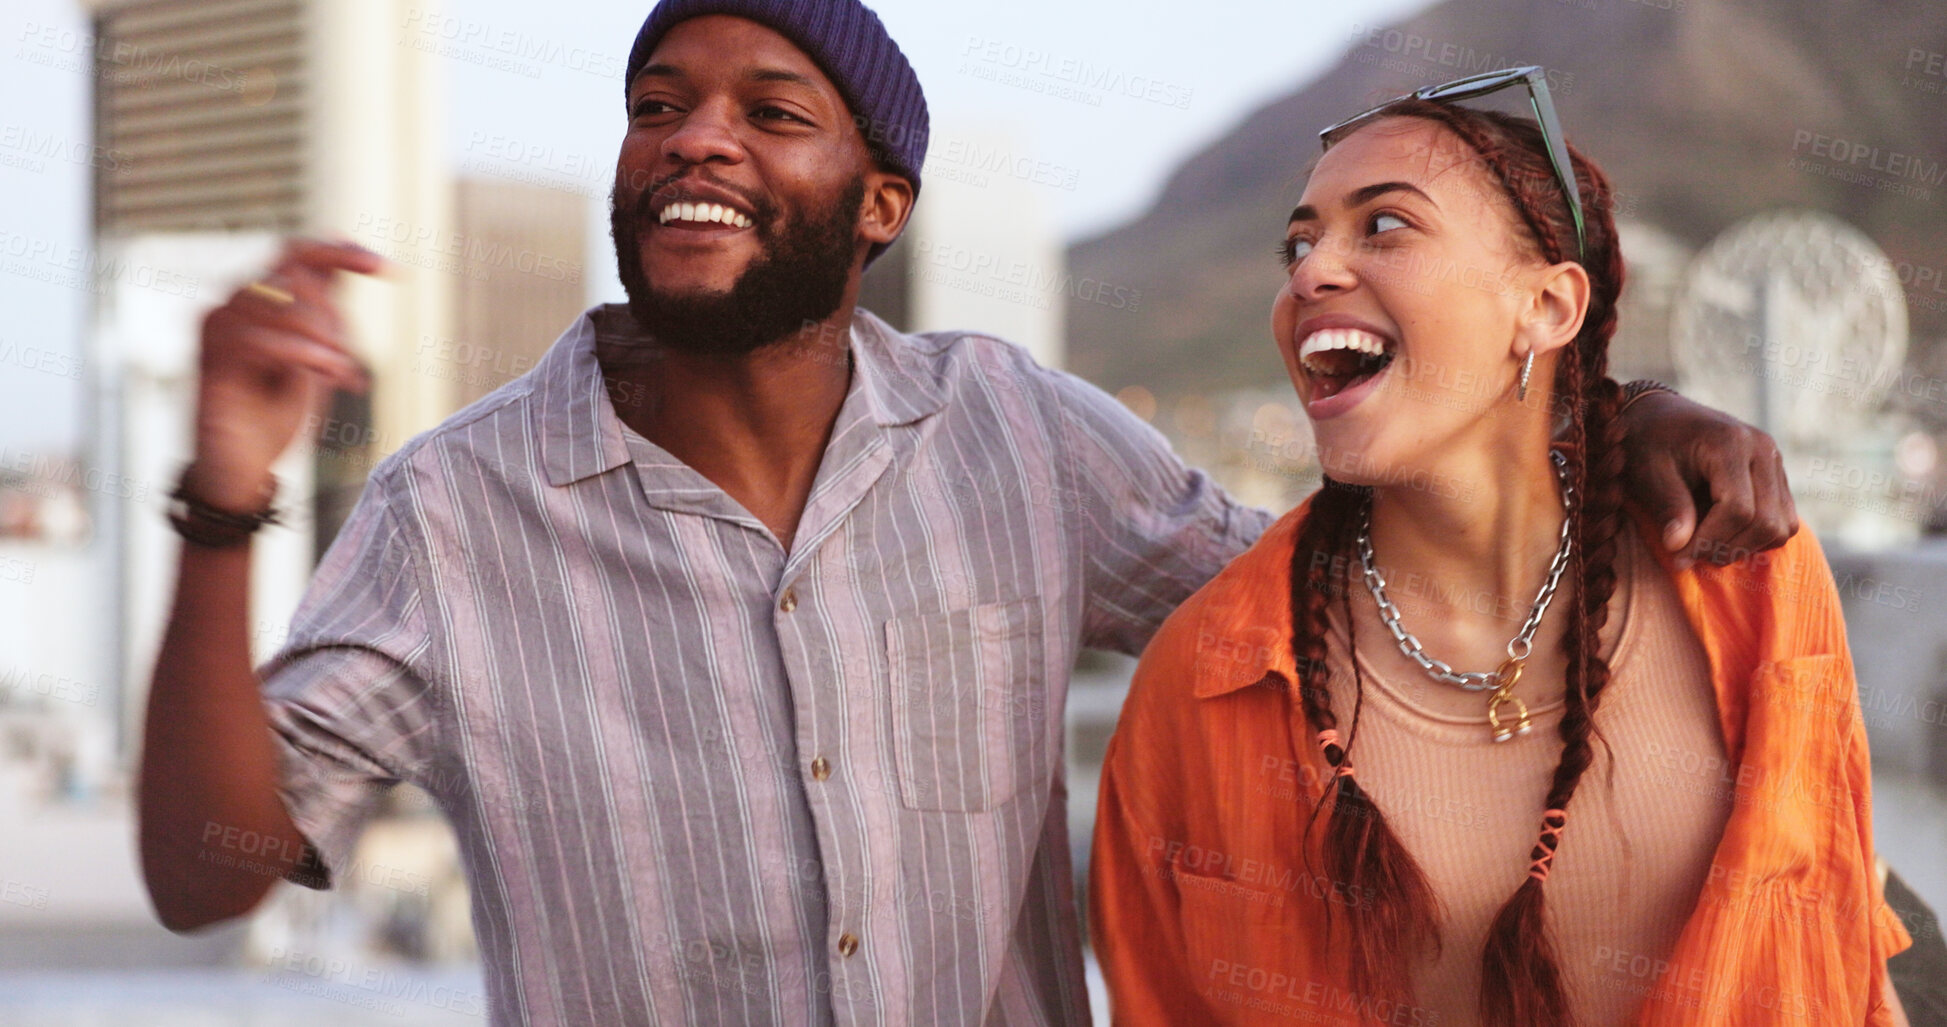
(1638, 389)
(204, 525)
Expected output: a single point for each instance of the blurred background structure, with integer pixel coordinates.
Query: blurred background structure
(1104, 187)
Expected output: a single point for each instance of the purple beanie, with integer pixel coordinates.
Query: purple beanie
(849, 44)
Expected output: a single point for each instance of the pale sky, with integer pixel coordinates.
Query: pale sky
(1148, 82)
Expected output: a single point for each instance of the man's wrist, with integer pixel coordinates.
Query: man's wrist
(223, 523)
(1636, 390)
(239, 493)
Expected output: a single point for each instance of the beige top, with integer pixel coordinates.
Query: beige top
(1633, 857)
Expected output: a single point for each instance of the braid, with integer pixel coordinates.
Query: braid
(1391, 904)
(1522, 984)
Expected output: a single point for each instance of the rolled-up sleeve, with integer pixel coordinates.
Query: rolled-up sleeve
(346, 696)
(1157, 529)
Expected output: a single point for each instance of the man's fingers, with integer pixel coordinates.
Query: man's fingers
(319, 323)
(282, 350)
(1665, 497)
(258, 331)
(1732, 508)
(321, 259)
(1765, 530)
(1784, 522)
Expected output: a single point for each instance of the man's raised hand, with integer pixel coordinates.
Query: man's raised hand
(270, 358)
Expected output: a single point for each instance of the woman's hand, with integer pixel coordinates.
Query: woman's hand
(1686, 459)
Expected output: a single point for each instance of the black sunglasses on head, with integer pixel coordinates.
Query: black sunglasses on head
(1493, 81)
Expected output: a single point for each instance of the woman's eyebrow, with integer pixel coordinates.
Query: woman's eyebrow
(1360, 196)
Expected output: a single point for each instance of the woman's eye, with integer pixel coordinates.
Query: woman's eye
(1386, 223)
(1294, 250)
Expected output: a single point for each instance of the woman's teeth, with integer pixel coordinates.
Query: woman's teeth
(1337, 358)
(1329, 339)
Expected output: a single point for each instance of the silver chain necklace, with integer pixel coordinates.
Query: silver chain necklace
(1502, 679)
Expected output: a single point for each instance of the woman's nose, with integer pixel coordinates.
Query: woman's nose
(1322, 271)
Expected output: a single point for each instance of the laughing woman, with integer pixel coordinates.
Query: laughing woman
(1642, 797)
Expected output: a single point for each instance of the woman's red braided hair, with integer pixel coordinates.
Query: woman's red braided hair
(1395, 909)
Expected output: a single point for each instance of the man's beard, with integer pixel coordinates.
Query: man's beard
(799, 279)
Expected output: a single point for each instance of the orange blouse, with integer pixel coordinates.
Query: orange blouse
(1202, 912)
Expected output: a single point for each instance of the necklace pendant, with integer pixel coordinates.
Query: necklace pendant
(1509, 675)
(1503, 731)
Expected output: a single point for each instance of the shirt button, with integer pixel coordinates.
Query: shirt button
(821, 768)
(848, 943)
(789, 602)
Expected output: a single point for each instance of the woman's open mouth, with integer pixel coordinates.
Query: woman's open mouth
(1337, 361)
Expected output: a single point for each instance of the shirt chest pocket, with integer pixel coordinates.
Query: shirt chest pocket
(970, 705)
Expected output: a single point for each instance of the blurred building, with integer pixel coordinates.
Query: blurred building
(525, 285)
(982, 252)
(234, 123)
(222, 126)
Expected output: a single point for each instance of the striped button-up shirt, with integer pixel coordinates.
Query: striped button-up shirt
(698, 779)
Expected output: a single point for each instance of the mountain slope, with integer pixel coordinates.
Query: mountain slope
(1697, 114)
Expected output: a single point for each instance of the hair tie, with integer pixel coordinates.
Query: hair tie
(1552, 823)
(1328, 738)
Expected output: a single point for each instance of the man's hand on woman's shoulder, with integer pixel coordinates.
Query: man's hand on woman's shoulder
(1715, 484)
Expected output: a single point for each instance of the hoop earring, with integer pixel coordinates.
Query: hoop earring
(1527, 365)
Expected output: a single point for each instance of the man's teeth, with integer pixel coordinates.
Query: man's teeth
(1328, 339)
(702, 212)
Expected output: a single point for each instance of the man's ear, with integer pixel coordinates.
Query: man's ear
(888, 205)
(1557, 307)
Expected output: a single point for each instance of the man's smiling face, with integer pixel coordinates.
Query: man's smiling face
(739, 189)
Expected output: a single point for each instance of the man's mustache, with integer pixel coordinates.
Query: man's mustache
(658, 192)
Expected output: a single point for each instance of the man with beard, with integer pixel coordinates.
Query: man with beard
(734, 638)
